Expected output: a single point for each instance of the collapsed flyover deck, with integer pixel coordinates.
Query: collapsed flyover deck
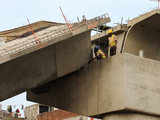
(125, 83)
(28, 62)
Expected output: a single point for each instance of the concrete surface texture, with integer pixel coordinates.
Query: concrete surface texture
(130, 116)
(19, 32)
(123, 82)
(56, 51)
(143, 17)
(90, 91)
(23, 46)
(144, 36)
(44, 65)
(120, 83)
(47, 37)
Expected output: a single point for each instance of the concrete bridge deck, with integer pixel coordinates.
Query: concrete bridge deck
(126, 82)
(28, 62)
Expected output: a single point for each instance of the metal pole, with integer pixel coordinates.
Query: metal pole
(69, 26)
(32, 30)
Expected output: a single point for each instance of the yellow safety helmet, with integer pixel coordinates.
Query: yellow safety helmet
(109, 31)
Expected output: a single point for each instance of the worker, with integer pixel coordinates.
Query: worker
(109, 31)
(99, 54)
(105, 46)
(113, 45)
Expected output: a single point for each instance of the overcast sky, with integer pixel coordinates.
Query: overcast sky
(14, 13)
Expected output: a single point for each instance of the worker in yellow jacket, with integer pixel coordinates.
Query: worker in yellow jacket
(113, 45)
(99, 54)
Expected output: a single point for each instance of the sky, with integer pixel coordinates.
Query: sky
(14, 13)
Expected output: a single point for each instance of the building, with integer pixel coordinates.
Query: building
(5, 115)
(80, 118)
(43, 112)
(56, 115)
(61, 115)
(32, 111)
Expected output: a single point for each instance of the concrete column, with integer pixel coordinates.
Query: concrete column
(130, 116)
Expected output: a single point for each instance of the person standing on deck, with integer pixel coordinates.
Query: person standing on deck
(113, 45)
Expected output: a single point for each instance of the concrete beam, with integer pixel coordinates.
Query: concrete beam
(44, 65)
(123, 82)
(56, 51)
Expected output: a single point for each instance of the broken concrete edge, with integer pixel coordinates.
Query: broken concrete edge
(84, 28)
(49, 63)
(7, 58)
(43, 45)
(38, 23)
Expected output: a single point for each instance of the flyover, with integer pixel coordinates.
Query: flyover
(123, 87)
(53, 52)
